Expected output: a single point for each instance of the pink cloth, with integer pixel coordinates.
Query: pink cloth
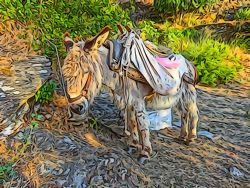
(167, 63)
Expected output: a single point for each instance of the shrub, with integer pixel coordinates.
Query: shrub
(174, 6)
(50, 19)
(45, 93)
(242, 41)
(6, 172)
(243, 14)
(215, 60)
(149, 32)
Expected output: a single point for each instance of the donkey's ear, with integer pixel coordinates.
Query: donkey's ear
(68, 42)
(120, 28)
(98, 40)
(128, 28)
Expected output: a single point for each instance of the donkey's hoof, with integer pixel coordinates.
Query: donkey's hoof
(186, 142)
(182, 138)
(131, 150)
(192, 138)
(143, 159)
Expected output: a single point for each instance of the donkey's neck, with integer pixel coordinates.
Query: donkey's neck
(109, 78)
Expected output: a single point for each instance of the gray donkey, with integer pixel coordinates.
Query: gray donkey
(139, 76)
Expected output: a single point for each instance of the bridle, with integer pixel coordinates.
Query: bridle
(84, 91)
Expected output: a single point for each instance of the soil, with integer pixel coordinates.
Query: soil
(59, 154)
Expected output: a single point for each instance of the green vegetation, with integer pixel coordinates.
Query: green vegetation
(93, 122)
(6, 172)
(35, 120)
(45, 93)
(241, 41)
(174, 6)
(215, 61)
(243, 14)
(49, 20)
(149, 32)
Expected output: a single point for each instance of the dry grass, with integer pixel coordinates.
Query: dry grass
(15, 45)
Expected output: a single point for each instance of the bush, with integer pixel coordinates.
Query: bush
(46, 92)
(215, 60)
(174, 6)
(149, 32)
(242, 41)
(50, 19)
(6, 172)
(243, 14)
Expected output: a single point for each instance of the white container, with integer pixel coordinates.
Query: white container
(160, 119)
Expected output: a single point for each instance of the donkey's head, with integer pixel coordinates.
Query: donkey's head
(82, 71)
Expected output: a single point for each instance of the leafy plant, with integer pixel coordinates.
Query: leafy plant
(94, 123)
(45, 93)
(241, 41)
(215, 60)
(34, 124)
(6, 172)
(243, 14)
(51, 19)
(174, 6)
(149, 32)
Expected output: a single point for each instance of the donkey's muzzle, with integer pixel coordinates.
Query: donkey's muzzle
(78, 111)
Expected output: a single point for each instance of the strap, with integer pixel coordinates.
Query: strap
(83, 93)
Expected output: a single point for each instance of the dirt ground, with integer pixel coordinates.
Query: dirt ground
(58, 154)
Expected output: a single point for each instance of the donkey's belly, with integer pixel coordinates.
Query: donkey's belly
(162, 102)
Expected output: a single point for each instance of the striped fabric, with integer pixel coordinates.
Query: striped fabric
(158, 76)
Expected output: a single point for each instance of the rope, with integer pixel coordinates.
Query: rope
(61, 79)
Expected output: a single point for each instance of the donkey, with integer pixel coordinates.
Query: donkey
(137, 82)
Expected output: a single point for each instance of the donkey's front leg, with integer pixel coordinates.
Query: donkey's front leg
(133, 141)
(143, 126)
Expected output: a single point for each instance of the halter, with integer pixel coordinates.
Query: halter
(84, 91)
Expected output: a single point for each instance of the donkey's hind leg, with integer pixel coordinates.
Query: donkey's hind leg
(184, 126)
(193, 118)
(189, 113)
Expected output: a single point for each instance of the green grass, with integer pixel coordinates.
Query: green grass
(6, 172)
(241, 41)
(243, 14)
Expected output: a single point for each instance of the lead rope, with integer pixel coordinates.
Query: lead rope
(61, 79)
(124, 69)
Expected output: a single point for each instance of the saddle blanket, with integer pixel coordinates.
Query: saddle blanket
(163, 74)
